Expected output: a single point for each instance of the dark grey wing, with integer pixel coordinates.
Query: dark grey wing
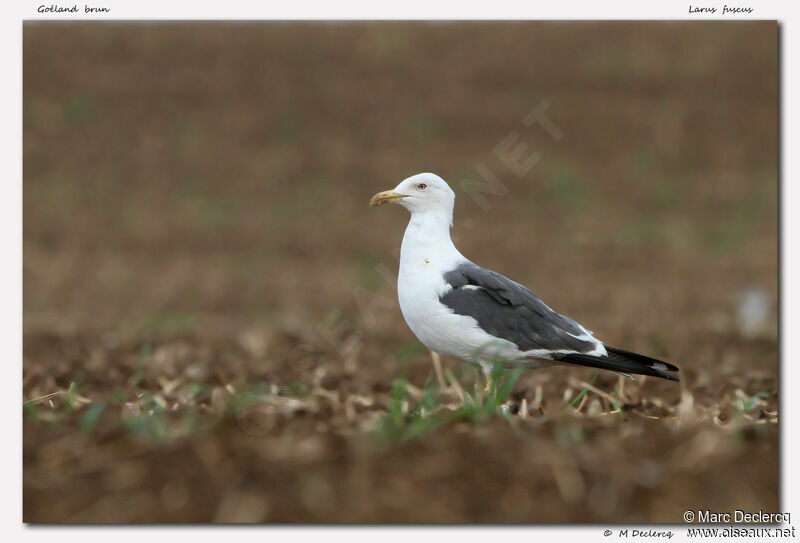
(510, 311)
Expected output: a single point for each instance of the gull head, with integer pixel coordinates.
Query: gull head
(421, 193)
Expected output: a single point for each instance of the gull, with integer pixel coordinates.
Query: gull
(460, 310)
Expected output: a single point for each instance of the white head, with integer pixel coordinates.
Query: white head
(421, 193)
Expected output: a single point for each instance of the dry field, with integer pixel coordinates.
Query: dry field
(210, 323)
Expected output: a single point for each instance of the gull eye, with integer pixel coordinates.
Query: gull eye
(422, 186)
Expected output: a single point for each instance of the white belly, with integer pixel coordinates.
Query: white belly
(424, 258)
(436, 326)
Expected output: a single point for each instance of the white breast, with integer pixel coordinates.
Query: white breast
(423, 262)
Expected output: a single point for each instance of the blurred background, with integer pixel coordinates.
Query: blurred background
(196, 213)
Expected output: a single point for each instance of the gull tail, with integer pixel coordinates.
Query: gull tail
(624, 362)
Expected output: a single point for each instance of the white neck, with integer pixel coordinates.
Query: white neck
(427, 242)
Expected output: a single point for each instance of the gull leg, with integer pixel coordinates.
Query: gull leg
(482, 393)
(487, 372)
(437, 368)
(489, 383)
(478, 389)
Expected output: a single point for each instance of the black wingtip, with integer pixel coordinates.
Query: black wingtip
(669, 376)
(654, 364)
(624, 361)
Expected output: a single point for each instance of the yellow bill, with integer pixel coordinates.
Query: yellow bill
(385, 197)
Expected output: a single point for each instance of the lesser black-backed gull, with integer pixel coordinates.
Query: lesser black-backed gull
(458, 309)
